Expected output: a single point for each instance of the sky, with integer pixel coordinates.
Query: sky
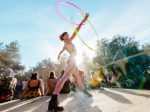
(36, 25)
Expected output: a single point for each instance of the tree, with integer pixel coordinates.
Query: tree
(10, 56)
(14, 49)
(112, 50)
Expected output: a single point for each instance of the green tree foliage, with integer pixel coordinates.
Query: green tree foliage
(111, 50)
(10, 56)
(120, 47)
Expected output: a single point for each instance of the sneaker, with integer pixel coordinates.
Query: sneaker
(87, 93)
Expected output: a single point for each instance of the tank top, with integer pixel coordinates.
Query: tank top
(71, 49)
(33, 91)
(35, 87)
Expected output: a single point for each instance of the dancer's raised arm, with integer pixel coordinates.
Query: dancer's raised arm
(78, 28)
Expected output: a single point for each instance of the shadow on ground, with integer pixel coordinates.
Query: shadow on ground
(130, 92)
(115, 96)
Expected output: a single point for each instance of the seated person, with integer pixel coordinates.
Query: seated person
(7, 85)
(66, 88)
(102, 75)
(51, 83)
(33, 87)
(94, 80)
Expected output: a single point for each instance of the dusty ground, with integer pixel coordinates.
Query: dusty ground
(108, 100)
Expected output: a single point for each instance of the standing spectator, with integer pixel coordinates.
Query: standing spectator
(18, 90)
(51, 83)
(24, 83)
(33, 87)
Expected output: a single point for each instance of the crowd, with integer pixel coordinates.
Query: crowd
(105, 78)
(11, 88)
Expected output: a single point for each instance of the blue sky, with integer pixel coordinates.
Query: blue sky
(36, 25)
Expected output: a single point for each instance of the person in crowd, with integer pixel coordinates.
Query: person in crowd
(7, 85)
(74, 82)
(115, 78)
(94, 80)
(103, 81)
(24, 83)
(18, 90)
(33, 87)
(109, 74)
(67, 86)
(51, 83)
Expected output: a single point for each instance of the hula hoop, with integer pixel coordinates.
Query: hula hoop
(92, 26)
(62, 16)
(82, 39)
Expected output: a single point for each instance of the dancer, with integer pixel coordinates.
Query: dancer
(71, 68)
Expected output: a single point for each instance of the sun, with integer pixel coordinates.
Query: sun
(79, 59)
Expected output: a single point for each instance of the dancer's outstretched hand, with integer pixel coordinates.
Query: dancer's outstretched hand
(86, 16)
